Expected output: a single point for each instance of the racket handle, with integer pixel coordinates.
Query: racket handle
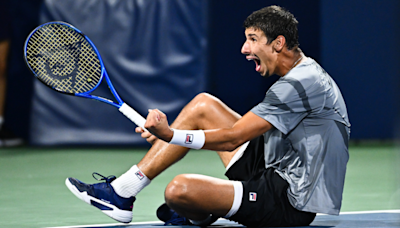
(133, 115)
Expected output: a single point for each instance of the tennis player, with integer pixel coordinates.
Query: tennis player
(285, 159)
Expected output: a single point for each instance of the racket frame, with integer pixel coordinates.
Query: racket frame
(103, 69)
(122, 107)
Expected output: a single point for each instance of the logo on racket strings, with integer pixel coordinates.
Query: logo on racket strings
(62, 62)
(189, 139)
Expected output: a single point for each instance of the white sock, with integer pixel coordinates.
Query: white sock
(130, 183)
(1, 121)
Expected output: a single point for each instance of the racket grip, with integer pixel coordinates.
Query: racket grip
(133, 115)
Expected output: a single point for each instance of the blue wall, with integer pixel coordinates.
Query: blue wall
(360, 49)
(355, 41)
(25, 17)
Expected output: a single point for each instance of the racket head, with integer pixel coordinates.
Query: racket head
(63, 58)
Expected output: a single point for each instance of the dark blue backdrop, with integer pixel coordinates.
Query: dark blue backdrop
(232, 78)
(355, 41)
(360, 48)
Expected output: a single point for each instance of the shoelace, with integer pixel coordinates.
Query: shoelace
(107, 179)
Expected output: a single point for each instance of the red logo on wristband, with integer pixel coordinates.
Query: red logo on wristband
(189, 139)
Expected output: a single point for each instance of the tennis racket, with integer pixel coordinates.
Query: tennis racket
(66, 60)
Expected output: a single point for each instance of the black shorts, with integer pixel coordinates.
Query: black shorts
(265, 201)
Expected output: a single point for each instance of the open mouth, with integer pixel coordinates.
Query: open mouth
(256, 60)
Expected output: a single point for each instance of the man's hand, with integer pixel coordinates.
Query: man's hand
(157, 124)
(150, 138)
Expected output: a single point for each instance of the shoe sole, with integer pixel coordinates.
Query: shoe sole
(113, 212)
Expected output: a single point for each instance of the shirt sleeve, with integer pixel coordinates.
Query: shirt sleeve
(289, 101)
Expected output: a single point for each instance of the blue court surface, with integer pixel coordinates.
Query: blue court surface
(390, 218)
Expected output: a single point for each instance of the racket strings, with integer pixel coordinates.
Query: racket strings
(63, 59)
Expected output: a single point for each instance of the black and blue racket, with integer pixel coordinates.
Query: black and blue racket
(66, 60)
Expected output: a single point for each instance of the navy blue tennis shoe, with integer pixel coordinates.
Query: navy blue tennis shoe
(103, 196)
(170, 217)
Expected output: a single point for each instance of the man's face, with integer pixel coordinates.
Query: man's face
(256, 48)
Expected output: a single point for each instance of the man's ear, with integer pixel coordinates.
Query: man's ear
(279, 43)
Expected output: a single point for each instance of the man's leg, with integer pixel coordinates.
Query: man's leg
(7, 138)
(194, 196)
(203, 112)
(4, 47)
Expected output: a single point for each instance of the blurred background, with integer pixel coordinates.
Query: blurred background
(161, 53)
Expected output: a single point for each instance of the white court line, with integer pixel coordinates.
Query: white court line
(369, 212)
(112, 224)
(364, 212)
(160, 223)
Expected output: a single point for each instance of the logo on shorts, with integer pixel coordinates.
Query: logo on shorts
(189, 139)
(252, 196)
(139, 175)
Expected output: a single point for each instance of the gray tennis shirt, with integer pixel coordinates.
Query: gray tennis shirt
(308, 145)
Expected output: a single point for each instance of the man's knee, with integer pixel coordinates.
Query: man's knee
(177, 191)
(204, 99)
(203, 102)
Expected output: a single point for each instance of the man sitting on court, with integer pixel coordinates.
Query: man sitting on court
(285, 159)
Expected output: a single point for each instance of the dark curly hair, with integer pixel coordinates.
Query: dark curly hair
(275, 21)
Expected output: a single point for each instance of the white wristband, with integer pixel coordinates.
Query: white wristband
(188, 138)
